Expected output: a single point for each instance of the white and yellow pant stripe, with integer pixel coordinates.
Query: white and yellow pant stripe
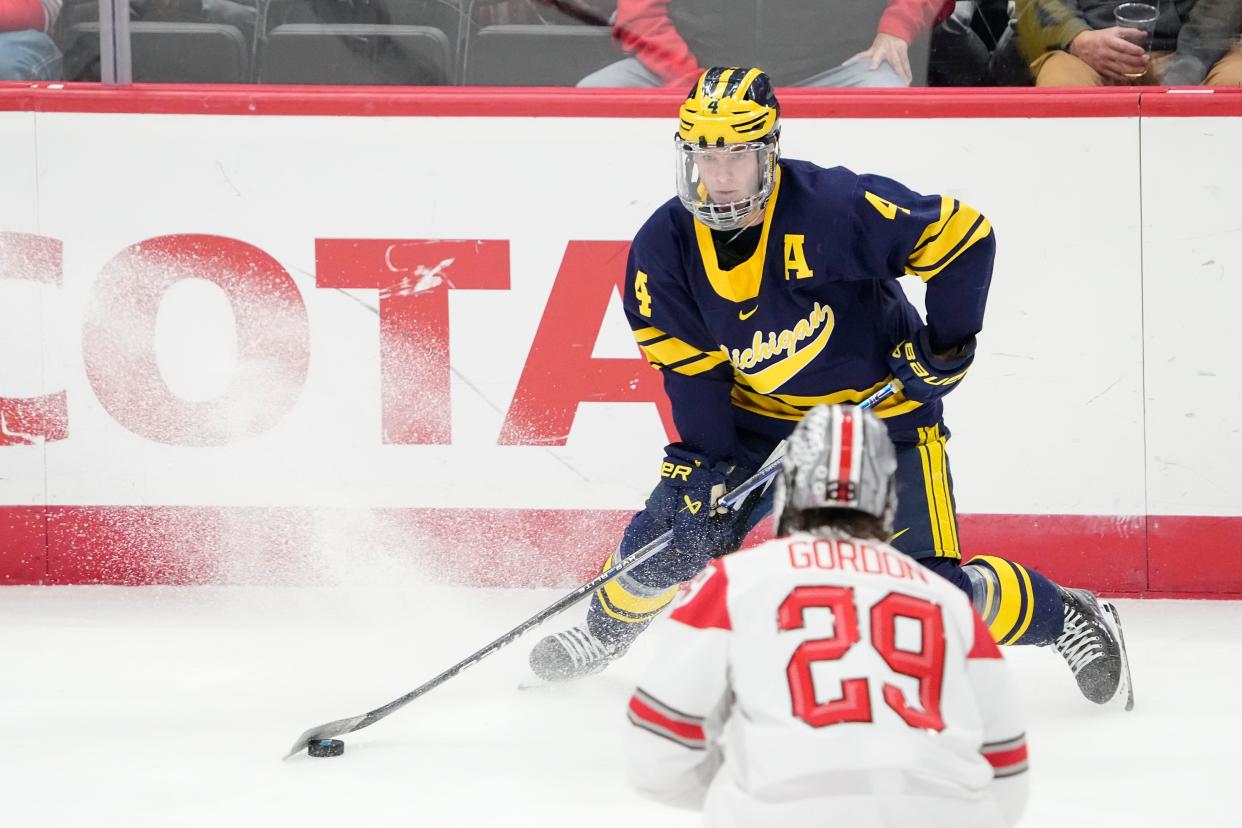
(627, 600)
(1003, 595)
(938, 491)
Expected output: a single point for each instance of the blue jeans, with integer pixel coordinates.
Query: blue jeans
(28, 55)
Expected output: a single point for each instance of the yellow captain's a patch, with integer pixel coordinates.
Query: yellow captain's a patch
(1009, 602)
(795, 257)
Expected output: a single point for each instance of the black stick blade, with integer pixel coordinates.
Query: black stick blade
(325, 731)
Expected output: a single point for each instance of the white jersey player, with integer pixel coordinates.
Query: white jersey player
(824, 678)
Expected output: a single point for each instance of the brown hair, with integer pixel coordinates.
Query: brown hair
(851, 522)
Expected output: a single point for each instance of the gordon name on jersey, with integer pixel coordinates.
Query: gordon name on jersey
(811, 315)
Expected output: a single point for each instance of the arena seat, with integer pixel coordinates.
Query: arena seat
(355, 53)
(165, 52)
(537, 55)
(444, 15)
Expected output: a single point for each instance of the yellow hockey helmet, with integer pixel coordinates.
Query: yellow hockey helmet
(727, 149)
(730, 105)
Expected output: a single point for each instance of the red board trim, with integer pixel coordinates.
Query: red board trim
(1157, 556)
(23, 545)
(1195, 102)
(1194, 554)
(494, 102)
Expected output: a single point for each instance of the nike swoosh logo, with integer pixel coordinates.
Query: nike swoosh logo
(747, 314)
(899, 534)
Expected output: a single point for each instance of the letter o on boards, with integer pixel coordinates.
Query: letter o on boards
(273, 340)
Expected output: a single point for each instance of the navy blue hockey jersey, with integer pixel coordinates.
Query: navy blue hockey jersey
(810, 317)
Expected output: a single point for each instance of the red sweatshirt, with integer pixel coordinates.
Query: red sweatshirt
(18, 15)
(644, 29)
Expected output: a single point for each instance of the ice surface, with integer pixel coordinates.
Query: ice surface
(163, 706)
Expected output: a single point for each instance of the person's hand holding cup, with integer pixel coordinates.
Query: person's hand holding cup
(1119, 53)
(1136, 22)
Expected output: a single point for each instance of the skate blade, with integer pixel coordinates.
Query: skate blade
(533, 682)
(1125, 688)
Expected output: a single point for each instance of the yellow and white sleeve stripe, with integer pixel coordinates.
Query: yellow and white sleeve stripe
(959, 227)
(668, 353)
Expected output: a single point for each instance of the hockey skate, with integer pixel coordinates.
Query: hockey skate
(572, 654)
(1093, 646)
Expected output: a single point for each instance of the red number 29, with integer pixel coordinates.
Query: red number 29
(854, 705)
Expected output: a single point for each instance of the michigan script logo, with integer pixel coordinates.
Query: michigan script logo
(789, 348)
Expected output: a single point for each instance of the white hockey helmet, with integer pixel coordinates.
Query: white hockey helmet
(838, 457)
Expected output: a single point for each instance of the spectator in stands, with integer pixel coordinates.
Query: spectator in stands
(978, 46)
(1076, 43)
(27, 52)
(799, 42)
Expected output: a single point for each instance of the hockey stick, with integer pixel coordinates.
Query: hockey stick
(342, 726)
(731, 501)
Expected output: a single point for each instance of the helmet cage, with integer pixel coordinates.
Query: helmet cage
(693, 192)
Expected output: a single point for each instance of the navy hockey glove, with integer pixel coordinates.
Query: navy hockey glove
(695, 485)
(924, 377)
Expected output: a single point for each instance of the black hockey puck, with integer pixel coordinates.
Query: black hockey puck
(325, 747)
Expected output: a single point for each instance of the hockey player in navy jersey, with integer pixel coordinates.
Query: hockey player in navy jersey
(769, 286)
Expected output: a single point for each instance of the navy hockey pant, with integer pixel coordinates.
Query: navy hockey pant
(1019, 604)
